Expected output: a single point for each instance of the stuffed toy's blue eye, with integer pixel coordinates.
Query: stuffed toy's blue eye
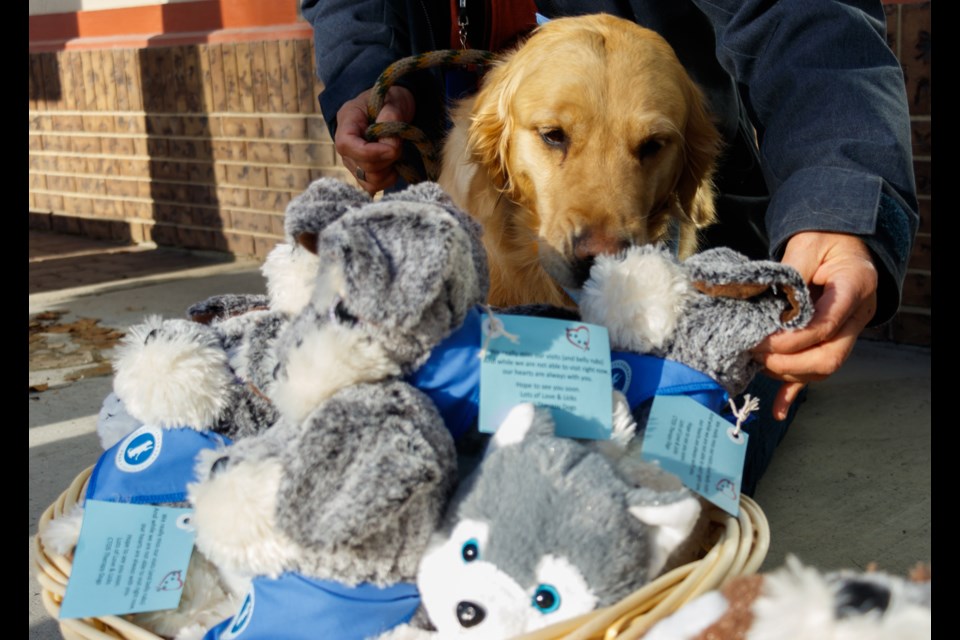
(546, 598)
(470, 550)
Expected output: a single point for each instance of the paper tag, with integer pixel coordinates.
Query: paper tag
(699, 446)
(552, 363)
(129, 558)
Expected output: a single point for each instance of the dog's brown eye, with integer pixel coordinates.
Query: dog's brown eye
(649, 149)
(554, 138)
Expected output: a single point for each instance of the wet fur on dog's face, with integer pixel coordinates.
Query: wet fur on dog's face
(588, 138)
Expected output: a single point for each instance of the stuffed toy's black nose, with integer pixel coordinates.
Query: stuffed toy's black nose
(470, 614)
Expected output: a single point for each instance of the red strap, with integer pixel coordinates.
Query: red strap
(507, 21)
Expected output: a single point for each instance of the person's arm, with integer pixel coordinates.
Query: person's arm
(828, 99)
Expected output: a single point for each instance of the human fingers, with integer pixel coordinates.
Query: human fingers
(842, 280)
(786, 395)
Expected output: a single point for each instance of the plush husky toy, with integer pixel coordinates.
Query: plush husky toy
(547, 528)
(801, 603)
(687, 328)
(338, 499)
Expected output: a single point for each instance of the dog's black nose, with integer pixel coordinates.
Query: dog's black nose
(470, 614)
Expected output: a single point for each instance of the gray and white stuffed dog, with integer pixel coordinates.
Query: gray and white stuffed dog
(340, 496)
(704, 314)
(544, 529)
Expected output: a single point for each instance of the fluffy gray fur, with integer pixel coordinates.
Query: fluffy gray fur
(716, 332)
(226, 305)
(365, 479)
(320, 204)
(560, 496)
(411, 265)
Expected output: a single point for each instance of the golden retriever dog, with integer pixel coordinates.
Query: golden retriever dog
(587, 138)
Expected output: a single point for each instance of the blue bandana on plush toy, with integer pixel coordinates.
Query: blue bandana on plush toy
(151, 465)
(321, 608)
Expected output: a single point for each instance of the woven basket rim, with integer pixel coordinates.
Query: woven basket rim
(740, 549)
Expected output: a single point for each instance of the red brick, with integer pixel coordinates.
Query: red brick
(129, 124)
(41, 122)
(189, 149)
(37, 181)
(66, 224)
(56, 143)
(289, 127)
(241, 127)
(81, 206)
(244, 59)
(92, 186)
(107, 208)
(85, 144)
(317, 130)
(238, 243)
(67, 123)
(315, 154)
(228, 150)
(920, 257)
(269, 200)
(121, 188)
(917, 290)
(232, 197)
(245, 175)
(61, 183)
(925, 214)
(278, 152)
(912, 328)
(921, 170)
(119, 146)
(164, 125)
(920, 134)
(915, 55)
(250, 221)
(192, 238)
(196, 125)
(288, 178)
(139, 210)
(93, 123)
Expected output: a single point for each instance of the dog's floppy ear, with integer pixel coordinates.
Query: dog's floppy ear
(492, 124)
(701, 146)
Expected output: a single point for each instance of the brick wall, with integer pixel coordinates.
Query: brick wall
(908, 34)
(198, 146)
(202, 145)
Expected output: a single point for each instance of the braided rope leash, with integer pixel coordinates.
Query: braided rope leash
(377, 130)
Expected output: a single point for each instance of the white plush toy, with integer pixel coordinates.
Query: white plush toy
(798, 602)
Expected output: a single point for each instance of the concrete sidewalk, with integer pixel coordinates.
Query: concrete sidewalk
(850, 485)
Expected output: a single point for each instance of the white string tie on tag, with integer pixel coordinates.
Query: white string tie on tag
(750, 404)
(495, 329)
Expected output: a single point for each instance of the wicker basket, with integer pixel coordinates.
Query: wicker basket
(738, 548)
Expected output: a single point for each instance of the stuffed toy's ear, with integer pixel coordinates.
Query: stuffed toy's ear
(672, 523)
(323, 202)
(409, 274)
(722, 272)
(522, 420)
(737, 304)
(638, 296)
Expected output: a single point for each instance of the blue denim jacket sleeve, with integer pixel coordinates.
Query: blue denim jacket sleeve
(827, 97)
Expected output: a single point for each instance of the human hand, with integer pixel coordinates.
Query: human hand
(372, 163)
(842, 278)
